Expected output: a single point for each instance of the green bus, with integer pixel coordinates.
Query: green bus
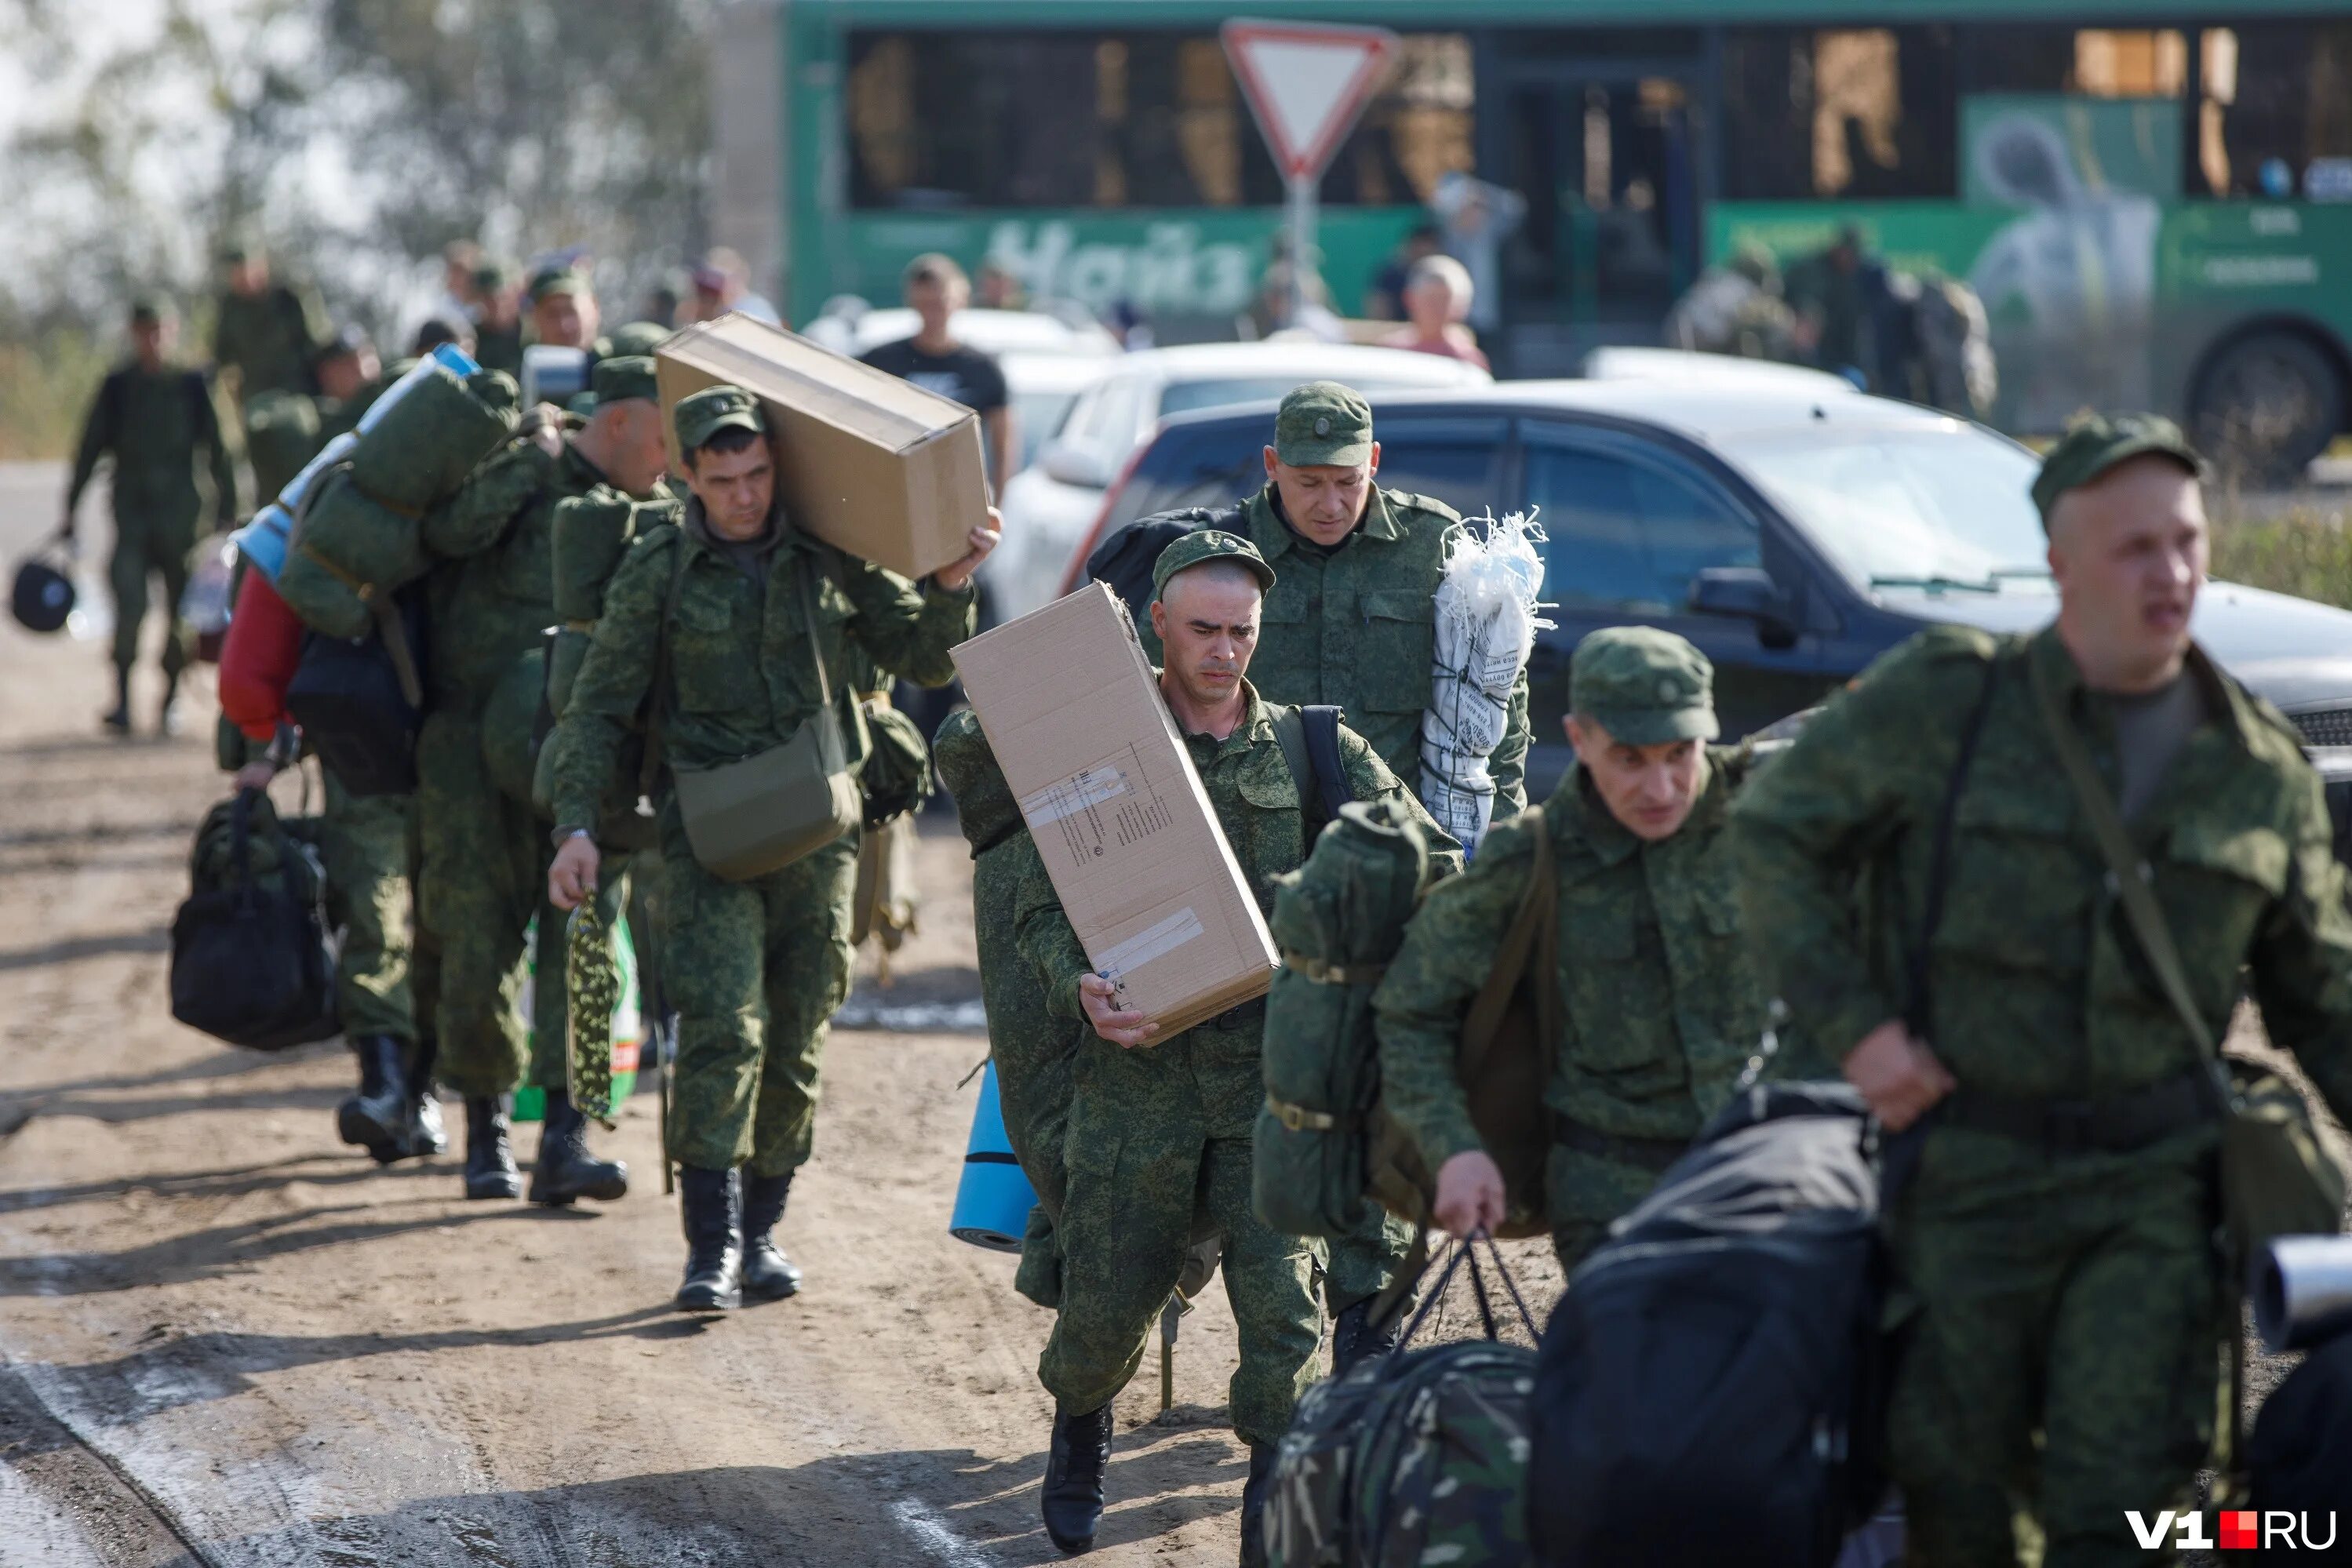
(2153, 200)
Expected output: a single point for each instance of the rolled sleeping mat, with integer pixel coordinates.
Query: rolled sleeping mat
(349, 550)
(2304, 1293)
(426, 433)
(590, 536)
(264, 541)
(993, 1200)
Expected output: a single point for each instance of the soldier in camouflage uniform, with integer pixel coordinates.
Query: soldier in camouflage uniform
(1351, 623)
(1154, 1123)
(486, 853)
(2058, 1230)
(497, 330)
(159, 422)
(1661, 1002)
(266, 334)
(754, 968)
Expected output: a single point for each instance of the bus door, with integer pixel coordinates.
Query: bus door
(1606, 158)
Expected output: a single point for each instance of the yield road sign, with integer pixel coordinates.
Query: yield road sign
(1306, 84)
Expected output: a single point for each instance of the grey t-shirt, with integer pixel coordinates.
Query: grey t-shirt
(2150, 729)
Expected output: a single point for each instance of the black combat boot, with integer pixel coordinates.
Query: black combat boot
(1354, 1341)
(565, 1170)
(489, 1159)
(377, 1116)
(767, 1272)
(424, 1134)
(117, 721)
(712, 1203)
(1254, 1492)
(1072, 1497)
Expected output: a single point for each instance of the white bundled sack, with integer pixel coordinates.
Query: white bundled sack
(1488, 604)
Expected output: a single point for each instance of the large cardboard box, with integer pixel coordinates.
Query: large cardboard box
(879, 466)
(1069, 705)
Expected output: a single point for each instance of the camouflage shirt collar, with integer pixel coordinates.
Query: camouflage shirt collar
(2226, 705)
(696, 525)
(1577, 807)
(1256, 724)
(1271, 532)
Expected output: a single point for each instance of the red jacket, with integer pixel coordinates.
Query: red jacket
(257, 662)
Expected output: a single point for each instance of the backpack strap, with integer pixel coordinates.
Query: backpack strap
(1532, 936)
(657, 689)
(1310, 736)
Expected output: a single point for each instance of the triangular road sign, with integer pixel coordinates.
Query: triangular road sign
(1306, 84)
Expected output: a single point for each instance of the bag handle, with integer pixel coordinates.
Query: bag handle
(2128, 873)
(1467, 1250)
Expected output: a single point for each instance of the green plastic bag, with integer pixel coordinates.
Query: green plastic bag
(627, 1028)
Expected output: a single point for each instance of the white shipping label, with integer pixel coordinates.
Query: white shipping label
(1154, 941)
(1107, 805)
(1087, 788)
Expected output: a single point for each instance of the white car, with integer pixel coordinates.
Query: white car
(1692, 369)
(1044, 387)
(1049, 506)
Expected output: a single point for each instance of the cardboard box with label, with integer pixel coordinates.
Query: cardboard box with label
(1070, 706)
(877, 465)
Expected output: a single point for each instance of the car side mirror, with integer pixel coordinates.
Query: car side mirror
(1745, 593)
(1071, 464)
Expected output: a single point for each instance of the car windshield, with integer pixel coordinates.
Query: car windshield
(1183, 397)
(1915, 509)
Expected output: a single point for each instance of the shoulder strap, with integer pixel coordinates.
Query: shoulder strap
(657, 692)
(1916, 1011)
(1530, 937)
(1310, 749)
(817, 643)
(2128, 873)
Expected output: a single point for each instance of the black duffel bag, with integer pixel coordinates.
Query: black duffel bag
(251, 960)
(1711, 1388)
(359, 702)
(2300, 1456)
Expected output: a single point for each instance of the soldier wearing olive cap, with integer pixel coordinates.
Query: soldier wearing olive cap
(485, 854)
(1156, 1122)
(720, 601)
(1662, 1003)
(1350, 623)
(158, 423)
(2059, 1231)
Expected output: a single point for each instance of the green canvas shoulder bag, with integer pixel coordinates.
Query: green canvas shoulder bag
(760, 813)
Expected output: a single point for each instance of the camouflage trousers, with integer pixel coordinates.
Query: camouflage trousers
(2064, 1362)
(754, 970)
(1154, 1134)
(147, 548)
(366, 842)
(482, 879)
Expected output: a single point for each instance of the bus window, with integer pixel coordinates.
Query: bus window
(2094, 62)
(1837, 113)
(1078, 118)
(2276, 115)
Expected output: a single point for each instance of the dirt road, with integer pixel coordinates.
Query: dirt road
(226, 1339)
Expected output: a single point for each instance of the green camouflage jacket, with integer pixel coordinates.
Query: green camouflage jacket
(493, 594)
(1257, 807)
(157, 427)
(741, 678)
(270, 339)
(1355, 627)
(2036, 990)
(1660, 993)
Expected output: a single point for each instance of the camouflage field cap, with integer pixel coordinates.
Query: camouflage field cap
(639, 337)
(1322, 424)
(564, 280)
(628, 376)
(1206, 545)
(713, 409)
(1644, 686)
(2094, 446)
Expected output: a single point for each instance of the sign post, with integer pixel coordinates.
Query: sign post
(1306, 85)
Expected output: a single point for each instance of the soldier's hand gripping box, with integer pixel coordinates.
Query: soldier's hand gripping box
(873, 464)
(1074, 714)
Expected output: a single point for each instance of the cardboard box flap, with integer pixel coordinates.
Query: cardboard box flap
(847, 393)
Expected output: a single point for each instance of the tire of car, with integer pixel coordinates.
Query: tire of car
(2266, 406)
